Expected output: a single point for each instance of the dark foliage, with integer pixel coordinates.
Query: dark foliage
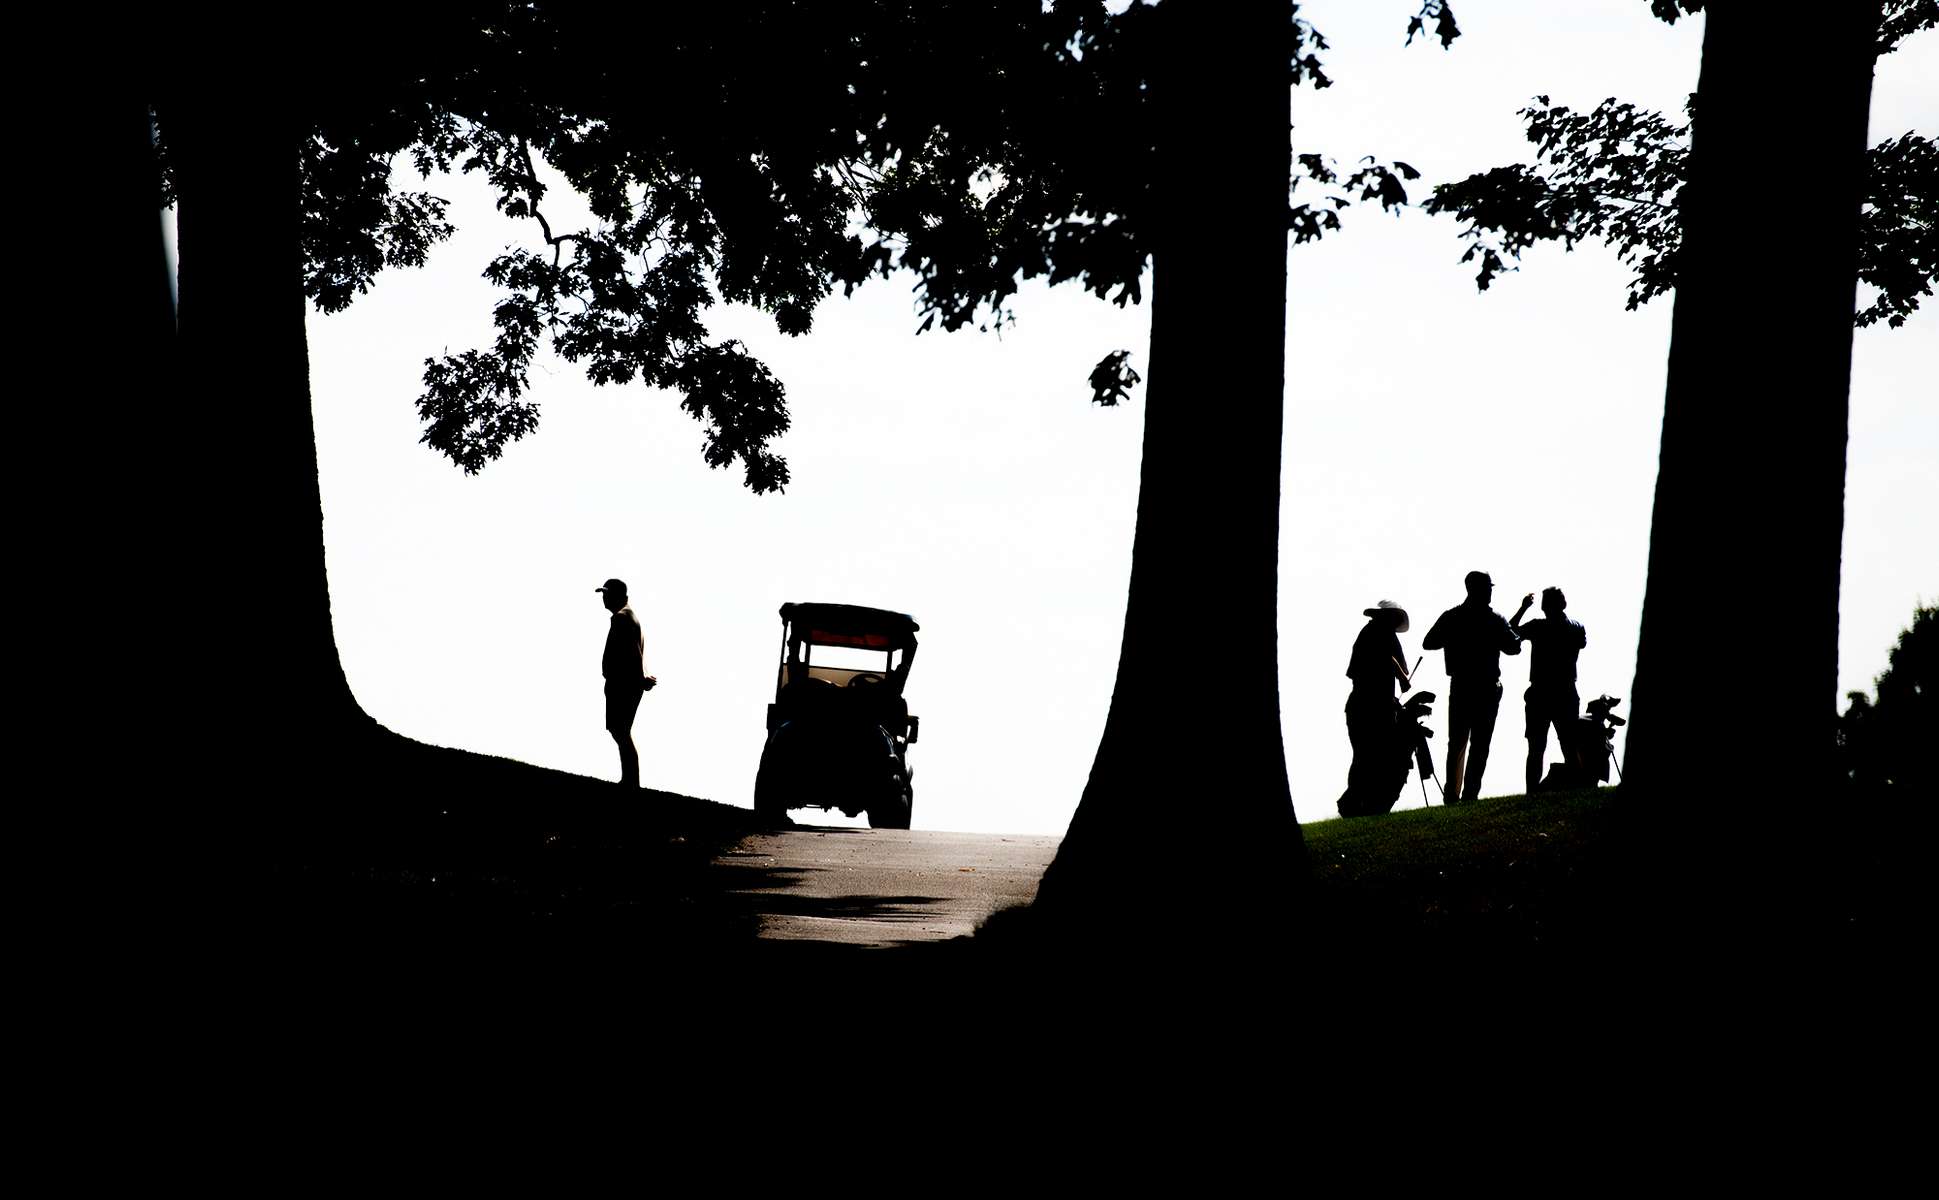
(763, 155)
(1442, 15)
(711, 171)
(354, 225)
(1369, 181)
(1885, 744)
(1902, 19)
(1898, 247)
(1047, 168)
(1113, 379)
(708, 146)
(1670, 10)
(1614, 175)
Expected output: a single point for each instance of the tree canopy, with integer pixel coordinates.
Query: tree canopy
(766, 155)
(1615, 173)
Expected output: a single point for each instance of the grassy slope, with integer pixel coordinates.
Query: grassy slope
(1504, 873)
(400, 842)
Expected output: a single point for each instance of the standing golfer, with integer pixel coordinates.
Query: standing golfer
(1474, 638)
(624, 666)
(1551, 697)
(1379, 759)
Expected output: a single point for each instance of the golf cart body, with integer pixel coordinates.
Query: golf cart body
(839, 730)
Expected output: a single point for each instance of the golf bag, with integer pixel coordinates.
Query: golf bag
(1588, 747)
(1375, 786)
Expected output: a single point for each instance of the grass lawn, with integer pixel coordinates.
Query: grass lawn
(436, 844)
(410, 845)
(1504, 871)
(441, 881)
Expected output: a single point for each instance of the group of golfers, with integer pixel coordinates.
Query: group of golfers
(1473, 637)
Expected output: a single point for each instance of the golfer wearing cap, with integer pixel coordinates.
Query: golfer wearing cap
(1379, 766)
(1474, 637)
(1551, 698)
(624, 666)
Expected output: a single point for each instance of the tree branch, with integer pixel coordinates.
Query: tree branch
(532, 198)
(1629, 199)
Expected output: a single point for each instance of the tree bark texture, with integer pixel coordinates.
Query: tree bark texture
(1190, 772)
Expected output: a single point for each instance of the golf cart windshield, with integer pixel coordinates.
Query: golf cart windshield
(845, 646)
(842, 666)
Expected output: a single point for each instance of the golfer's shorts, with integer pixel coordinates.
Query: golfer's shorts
(1550, 706)
(622, 705)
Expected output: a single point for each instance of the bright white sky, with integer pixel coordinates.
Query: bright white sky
(966, 479)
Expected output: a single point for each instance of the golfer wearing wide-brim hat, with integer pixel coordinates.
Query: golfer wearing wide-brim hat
(1378, 663)
(1396, 617)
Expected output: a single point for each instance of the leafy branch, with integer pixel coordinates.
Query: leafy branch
(1439, 12)
(790, 152)
(1611, 174)
(1615, 175)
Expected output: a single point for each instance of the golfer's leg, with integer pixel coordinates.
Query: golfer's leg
(1372, 739)
(629, 759)
(1356, 768)
(1538, 739)
(621, 708)
(1568, 709)
(1458, 737)
(1481, 732)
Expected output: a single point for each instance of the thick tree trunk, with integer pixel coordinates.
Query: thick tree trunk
(100, 532)
(1186, 826)
(248, 603)
(1736, 673)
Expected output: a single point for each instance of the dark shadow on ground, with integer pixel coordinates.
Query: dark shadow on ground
(767, 889)
(744, 891)
(793, 826)
(421, 853)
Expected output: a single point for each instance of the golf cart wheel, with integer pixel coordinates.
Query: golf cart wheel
(768, 804)
(893, 814)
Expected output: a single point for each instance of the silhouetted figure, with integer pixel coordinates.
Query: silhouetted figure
(1473, 637)
(1551, 698)
(623, 664)
(1379, 759)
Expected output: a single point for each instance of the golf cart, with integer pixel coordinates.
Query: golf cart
(839, 730)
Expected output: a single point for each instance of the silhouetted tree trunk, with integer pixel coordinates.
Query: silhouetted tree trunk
(1735, 698)
(1190, 774)
(98, 526)
(248, 604)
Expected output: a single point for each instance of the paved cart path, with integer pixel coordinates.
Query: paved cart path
(882, 887)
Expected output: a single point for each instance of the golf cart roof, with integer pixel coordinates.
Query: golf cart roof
(851, 625)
